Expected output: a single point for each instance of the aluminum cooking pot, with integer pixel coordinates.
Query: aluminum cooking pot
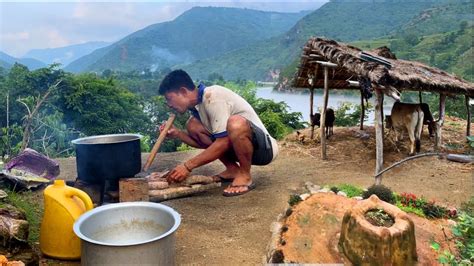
(107, 157)
(128, 233)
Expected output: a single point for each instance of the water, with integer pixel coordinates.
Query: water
(130, 232)
(300, 102)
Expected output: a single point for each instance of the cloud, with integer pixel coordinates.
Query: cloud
(15, 36)
(56, 24)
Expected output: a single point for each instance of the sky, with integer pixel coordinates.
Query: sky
(39, 24)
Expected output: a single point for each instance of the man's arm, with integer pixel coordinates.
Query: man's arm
(174, 133)
(211, 153)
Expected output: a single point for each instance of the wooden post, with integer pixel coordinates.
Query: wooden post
(133, 189)
(311, 111)
(438, 133)
(468, 129)
(378, 135)
(362, 113)
(323, 114)
(420, 97)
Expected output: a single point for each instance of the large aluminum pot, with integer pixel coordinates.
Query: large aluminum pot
(128, 233)
(107, 157)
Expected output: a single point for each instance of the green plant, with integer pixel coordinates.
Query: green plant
(348, 114)
(410, 209)
(184, 147)
(464, 232)
(379, 217)
(384, 193)
(470, 140)
(350, 190)
(294, 199)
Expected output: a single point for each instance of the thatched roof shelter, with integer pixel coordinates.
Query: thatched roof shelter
(402, 75)
(332, 65)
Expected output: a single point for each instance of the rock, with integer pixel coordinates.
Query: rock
(312, 188)
(452, 222)
(304, 196)
(342, 193)
(275, 227)
(358, 198)
(3, 194)
(324, 190)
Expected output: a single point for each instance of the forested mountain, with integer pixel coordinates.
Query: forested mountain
(199, 33)
(340, 20)
(64, 55)
(6, 61)
(440, 18)
(451, 51)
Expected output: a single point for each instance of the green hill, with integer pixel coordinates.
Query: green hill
(451, 51)
(200, 32)
(7, 61)
(440, 18)
(345, 21)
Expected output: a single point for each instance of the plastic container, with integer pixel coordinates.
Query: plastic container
(62, 207)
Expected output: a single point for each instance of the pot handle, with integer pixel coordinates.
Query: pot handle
(82, 196)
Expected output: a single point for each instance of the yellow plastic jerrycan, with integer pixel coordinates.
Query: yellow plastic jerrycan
(62, 207)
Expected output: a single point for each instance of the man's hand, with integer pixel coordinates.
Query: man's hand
(178, 174)
(172, 132)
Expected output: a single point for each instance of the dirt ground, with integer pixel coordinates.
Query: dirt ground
(235, 230)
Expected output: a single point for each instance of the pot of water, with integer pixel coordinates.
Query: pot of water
(133, 233)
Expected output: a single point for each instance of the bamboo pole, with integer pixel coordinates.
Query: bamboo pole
(378, 136)
(438, 134)
(157, 145)
(311, 99)
(362, 113)
(323, 115)
(468, 129)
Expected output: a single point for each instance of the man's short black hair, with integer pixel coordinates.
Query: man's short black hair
(175, 80)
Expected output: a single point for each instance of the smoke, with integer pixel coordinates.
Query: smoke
(165, 58)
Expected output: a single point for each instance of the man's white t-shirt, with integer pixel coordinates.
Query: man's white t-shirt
(217, 104)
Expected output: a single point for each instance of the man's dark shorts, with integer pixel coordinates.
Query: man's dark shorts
(262, 146)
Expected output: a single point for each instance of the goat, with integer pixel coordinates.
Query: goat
(329, 121)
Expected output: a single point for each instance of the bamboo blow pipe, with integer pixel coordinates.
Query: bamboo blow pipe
(160, 140)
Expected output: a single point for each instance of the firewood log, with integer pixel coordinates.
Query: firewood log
(155, 185)
(198, 179)
(176, 192)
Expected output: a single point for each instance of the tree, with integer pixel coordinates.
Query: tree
(96, 106)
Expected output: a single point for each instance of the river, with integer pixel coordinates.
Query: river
(300, 102)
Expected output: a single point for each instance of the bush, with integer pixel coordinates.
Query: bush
(348, 114)
(384, 193)
(294, 199)
(431, 210)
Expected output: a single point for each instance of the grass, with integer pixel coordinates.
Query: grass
(411, 209)
(350, 190)
(28, 202)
